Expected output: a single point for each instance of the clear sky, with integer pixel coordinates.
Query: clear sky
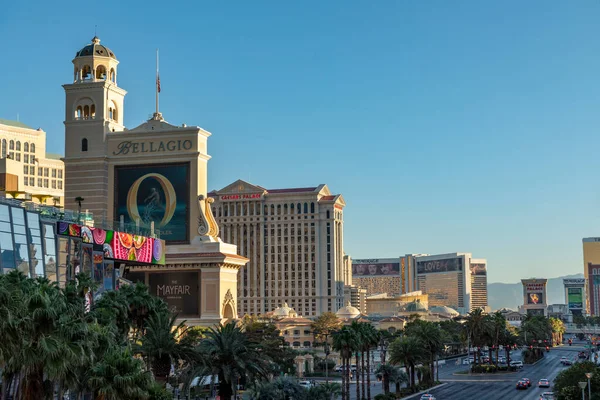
(446, 125)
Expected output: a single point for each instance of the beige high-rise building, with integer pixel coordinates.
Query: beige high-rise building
(294, 239)
(454, 280)
(27, 172)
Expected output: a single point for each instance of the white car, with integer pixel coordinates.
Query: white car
(544, 383)
(305, 384)
(516, 364)
(427, 396)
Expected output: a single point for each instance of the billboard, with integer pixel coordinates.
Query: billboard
(117, 245)
(372, 269)
(157, 193)
(575, 297)
(178, 289)
(535, 298)
(445, 265)
(478, 269)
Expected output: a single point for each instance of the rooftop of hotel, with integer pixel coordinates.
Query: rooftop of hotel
(15, 124)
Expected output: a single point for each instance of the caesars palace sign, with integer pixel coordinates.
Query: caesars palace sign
(129, 147)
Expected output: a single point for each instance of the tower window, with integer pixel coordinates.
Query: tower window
(32, 148)
(84, 144)
(18, 146)
(25, 146)
(78, 112)
(11, 145)
(86, 112)
(85, 72)
(101, 72)
(113, 75)
(3, 148)
(93, 111)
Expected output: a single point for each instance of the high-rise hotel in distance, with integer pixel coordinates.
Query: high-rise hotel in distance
(294, 241)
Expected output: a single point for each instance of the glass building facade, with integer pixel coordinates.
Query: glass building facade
(29, 243)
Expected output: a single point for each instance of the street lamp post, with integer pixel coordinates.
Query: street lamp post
(589, 375)
(582, 386)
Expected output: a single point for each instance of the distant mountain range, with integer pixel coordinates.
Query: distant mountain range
(510, 295)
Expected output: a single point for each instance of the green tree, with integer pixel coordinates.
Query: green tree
(227, 353)
(566, 382)
(163, 344)
(120, 376)
(389, 373)
(281, 388)
(558, 329)
(344, 341)
(407, 351)
(326, 391)
(371, 337)
(325, 325)
(265, 336)
(429, 335)
(477, 326)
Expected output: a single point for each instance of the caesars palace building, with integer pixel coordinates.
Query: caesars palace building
(155, 176)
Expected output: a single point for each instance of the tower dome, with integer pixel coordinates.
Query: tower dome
(348, 312)
(95, 49)
(94, 63)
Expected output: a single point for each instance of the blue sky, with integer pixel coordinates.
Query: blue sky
(447, 126)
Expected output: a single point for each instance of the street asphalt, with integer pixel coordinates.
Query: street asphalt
(459, 385)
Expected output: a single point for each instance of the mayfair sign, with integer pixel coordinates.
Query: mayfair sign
(129, 147)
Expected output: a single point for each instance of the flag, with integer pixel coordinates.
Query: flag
(158, 83)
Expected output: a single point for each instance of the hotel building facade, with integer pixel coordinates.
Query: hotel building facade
(294, 240)
(27, 172)
(454, 280)
(591, 272)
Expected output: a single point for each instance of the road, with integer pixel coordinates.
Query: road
(502, 386)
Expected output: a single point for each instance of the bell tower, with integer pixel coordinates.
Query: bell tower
(94, 107)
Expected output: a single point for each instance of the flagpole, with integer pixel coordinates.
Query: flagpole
(157, 82)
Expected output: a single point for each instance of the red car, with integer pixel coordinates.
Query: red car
(522, 385)
(527, 381)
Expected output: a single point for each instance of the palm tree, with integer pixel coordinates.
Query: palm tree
(408, 351)
(476, 325)
(163, 344)
(283, 388)
(326, 391)
(371, 338)
(360, 344)
(227, 353)
(344, 341)
(430, 335)
(558, 329)
(498, 329)
(386, 373)
(120, 376)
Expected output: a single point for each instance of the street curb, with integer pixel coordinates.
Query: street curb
(412, 396)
